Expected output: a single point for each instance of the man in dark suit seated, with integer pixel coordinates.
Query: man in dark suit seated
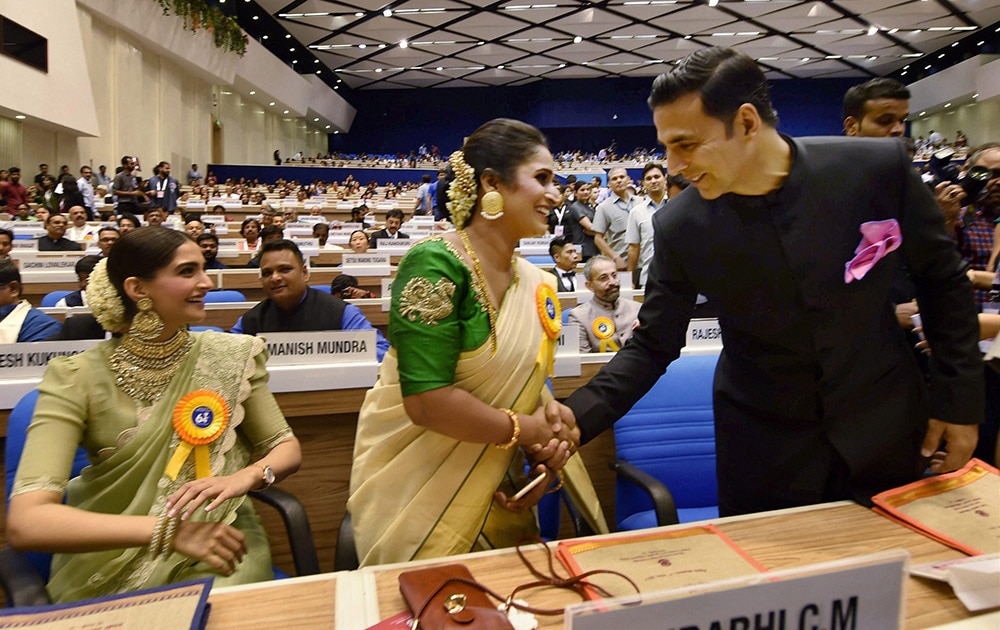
(20, 321)
(393, 221)
(55, 240)
(291, 305)
(816, 396)
(565, 255)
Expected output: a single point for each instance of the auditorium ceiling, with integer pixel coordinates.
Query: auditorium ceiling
(377, 44)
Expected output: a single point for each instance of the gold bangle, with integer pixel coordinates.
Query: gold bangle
(517, 431)
(558, 486)
(167, 546)
(157, 539)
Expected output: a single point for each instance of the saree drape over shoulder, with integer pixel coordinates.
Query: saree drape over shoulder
(129, 446)
(416, 493)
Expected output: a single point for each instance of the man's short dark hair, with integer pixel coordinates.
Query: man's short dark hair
(207, 236)
(86, 264)
(108, 228)
(653, 166)
(270, 230)
(9, 272)
(556, 245)
(341, 282)
(8, 233)
(394, 213)
(283, 245)
(125, 159)
(879, 87)
(13, 170)
(724, 79)
(53, 215)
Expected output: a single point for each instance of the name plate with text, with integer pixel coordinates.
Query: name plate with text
(331, 346)
(394, 245)
(860, 592)
(535, 246)
(704, 334)
(568, 351)
(354, 259)
(25, 245)
(22, 360)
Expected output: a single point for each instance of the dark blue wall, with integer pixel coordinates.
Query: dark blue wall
(574, 114)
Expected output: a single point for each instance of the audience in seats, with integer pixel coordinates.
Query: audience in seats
(127, 222)
(606, 320)
(358, 242)
(973, 228)
(6, 244)
(55, 240)
(611, 218)
(346, 287)
(70, 196)
(291, 305)
(194, 227)
(83, 268)
(209, 244)
(393, 221)
(564, 253)
(639, 230)
(126, 189)
(19, 321)
(250, 231)
(267, 234)
(155, 217)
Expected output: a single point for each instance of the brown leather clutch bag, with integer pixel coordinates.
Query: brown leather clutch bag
(447, 597)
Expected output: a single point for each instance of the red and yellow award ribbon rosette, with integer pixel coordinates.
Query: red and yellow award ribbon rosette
(200, 417)
(604, 329)
(550, 314)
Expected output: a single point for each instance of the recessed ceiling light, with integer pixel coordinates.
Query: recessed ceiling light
(387, 13)
(872, 29)
(440, 68)
(264, 37)
(378, 69)
(577, 39)
(500, 67)
(252, 92)
(271, 103)
(359, 14)
(337, 131)
(403, 44)
(328, 126)
(362, 46)
(291, 49)
(256, 17)
(285, 112)
(315, 119)
(381, 46)
(295, 61)
(319, 72)
(288, 36)
(976, 95)
(947, 104)
(20, 116)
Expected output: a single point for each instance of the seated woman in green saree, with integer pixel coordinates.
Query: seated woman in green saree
(178, 426)
(473, 331)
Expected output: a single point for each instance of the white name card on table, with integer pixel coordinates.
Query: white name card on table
(217, 219)
(425, 220)
(704, 335)
(345, 205)
(339, 238)
(331, 346)
(230, 243)
(367, 259)
(386, 205)
(537, 247)
(22, 360)
(195, 204)
(312, 219)
(216, 201)
(394, 245)
(568, 351)
(34, 229)
(232, 204)
(386, 294)
(349, 227)
(860, 592)
(25, 245)
(30, 262)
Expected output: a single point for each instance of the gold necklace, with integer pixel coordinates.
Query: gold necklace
(144, 369)
(480, 280)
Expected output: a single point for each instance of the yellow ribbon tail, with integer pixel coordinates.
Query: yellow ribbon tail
(202, 465)
(547, 356)
(609, 345)
(177, 460)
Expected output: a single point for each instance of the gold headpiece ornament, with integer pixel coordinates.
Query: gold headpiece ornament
(462, 191)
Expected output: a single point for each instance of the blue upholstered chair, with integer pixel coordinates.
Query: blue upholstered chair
(50, 298)
(23, 575)
(224, 295)
(204, 328)
(539, 260)
(666, 450)
(325, 288)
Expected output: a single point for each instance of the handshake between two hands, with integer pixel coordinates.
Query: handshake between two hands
(549, 438)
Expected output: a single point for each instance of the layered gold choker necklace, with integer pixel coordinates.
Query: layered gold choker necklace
(143, 369)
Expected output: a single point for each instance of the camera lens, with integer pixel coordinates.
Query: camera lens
(975, 181)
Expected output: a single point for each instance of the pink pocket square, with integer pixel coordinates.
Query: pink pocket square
(878, 238)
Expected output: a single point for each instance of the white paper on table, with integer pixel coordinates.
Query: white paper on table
(976, 582)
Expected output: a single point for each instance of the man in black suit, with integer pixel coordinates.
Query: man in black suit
(54, 240)
(817, 396)
(564, 254)
(393, 220)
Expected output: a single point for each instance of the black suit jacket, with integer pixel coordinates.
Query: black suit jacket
(561, 283)
(373, 241)
(816, 377)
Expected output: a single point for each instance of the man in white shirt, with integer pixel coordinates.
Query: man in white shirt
(79, 231)
(639, 230)
(611, 218)
(86, 186)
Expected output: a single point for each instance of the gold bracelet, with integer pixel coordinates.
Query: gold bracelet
(558, 486)
(167, 546)
(157, 540)
(517, 431)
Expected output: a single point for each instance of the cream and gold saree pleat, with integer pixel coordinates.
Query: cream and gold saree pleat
(420, 494)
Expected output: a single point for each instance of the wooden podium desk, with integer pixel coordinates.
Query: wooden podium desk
(779, 540)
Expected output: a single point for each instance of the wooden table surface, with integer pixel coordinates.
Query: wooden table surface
(778, 540)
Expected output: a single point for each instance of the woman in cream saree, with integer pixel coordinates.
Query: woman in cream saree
(440, 486)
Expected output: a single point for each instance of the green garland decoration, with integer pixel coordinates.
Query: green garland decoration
(197, 14)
